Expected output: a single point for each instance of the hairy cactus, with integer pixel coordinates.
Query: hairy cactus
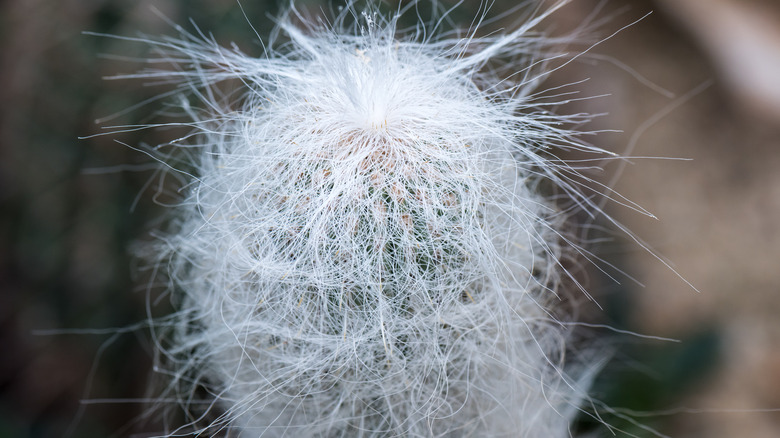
(371, 243)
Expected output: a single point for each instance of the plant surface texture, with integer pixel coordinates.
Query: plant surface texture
(371, 239)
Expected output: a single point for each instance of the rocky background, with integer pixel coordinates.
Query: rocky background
(696, 79)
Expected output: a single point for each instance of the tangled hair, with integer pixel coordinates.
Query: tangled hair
(370, 243)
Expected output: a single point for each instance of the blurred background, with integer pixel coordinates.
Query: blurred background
(696, 79)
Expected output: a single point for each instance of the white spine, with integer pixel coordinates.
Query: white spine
(364, 250)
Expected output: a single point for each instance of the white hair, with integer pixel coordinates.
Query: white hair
(370, 243)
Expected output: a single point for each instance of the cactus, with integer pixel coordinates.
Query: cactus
(370, 242)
